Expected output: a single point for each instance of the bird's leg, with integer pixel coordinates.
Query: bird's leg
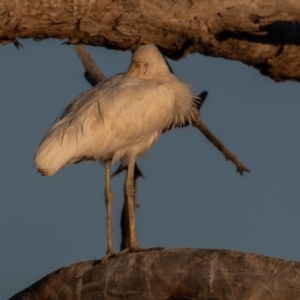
(109, 197)
(130, 193)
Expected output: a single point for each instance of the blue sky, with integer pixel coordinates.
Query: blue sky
(191, 197)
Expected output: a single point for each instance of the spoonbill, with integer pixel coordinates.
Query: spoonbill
(118, 120)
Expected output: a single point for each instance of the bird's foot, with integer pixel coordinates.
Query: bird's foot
(109, 254)
(137, 249)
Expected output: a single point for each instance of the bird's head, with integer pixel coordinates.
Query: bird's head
(147, 62)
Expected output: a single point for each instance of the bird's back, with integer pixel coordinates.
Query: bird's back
(120, 116)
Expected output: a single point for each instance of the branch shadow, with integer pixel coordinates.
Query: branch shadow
(277, 33)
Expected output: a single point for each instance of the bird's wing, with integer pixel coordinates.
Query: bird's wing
(145, 108)
(117, 113)
(127, 113)
(77, 102)
(81, 99)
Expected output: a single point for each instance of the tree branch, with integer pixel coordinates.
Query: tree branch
(240, 168)
(262, 34)
(92, 73)
(172, 274)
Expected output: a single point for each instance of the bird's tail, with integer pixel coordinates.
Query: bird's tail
(58, 149)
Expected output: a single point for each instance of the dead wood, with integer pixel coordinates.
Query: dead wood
(92, 73)
(263, 34)
(172, 274)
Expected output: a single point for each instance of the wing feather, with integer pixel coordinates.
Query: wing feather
(116, 114)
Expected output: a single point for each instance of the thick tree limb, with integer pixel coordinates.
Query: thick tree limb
(263, 34)
(172, 274)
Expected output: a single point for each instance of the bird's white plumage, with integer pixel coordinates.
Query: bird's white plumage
(120, 118)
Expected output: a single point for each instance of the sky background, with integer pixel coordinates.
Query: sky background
(191, 197)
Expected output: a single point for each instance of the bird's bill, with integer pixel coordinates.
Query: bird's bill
(137, 69)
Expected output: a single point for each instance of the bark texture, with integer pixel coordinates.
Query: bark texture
(263, 34)
(173, 274)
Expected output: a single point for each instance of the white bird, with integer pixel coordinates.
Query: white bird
(118, 119)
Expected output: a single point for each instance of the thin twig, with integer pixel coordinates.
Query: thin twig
(209, 135)
(92, 74)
